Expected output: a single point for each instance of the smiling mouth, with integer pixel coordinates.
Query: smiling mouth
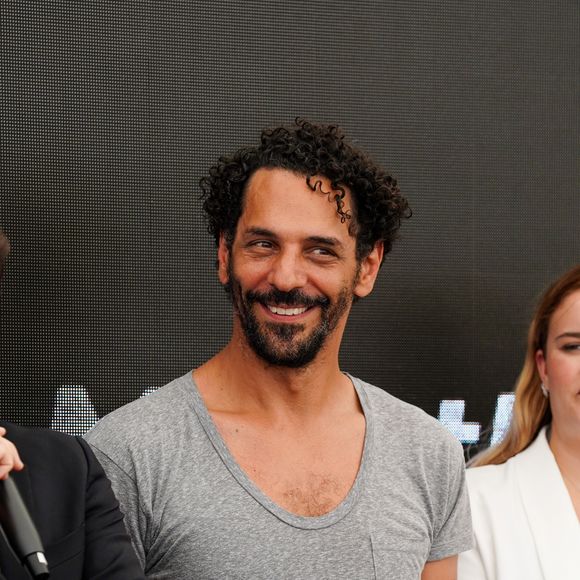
(286, 311)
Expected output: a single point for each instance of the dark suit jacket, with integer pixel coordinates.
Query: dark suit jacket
(74, 509)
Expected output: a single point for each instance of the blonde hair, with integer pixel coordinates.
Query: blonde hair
(531, 410)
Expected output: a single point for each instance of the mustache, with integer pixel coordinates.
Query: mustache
(293, 298)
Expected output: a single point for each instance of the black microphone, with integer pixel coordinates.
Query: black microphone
(20, 531)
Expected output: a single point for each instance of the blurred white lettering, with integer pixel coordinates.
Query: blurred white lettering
(74, 413)
(502, 416)
(451, 412)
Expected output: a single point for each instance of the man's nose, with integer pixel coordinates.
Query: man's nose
(288, 271)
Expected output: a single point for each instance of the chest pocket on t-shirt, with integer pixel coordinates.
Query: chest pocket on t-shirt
(398, 558)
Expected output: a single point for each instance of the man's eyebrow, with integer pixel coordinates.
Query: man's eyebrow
(327, 241)
(259, 232)
(569, 335)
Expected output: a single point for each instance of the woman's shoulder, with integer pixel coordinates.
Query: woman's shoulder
(487, 476)
(489, 479)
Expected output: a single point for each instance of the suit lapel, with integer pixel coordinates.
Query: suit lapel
(549, 510)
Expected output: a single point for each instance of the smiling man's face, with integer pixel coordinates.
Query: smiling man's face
(279, 337)
(291, 270)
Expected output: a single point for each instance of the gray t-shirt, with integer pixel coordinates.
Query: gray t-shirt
(193, 513)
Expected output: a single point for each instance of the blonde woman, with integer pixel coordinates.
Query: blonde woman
(525, 491)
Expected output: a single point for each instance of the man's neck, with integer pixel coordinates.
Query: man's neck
(237, 380)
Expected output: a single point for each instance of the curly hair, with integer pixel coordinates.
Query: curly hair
(310, 149)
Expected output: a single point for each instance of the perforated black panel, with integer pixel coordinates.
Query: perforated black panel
(111, 112)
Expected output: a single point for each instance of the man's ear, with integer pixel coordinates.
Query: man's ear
(369, 269)
(223, 260)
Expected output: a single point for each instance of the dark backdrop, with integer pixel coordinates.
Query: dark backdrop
(112, 111)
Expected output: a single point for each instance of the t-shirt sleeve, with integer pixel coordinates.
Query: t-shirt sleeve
(453, 534)
(108, 551)
(127, 495)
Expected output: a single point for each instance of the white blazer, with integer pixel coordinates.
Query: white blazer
(524, 521)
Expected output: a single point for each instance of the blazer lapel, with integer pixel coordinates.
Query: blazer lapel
(550, 512)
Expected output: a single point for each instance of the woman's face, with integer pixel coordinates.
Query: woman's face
(559, 365)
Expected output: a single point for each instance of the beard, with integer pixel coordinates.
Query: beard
(286, 344)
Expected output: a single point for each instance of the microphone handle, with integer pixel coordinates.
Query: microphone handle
(20, 530)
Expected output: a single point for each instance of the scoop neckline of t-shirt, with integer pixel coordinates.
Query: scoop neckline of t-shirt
(294, 520)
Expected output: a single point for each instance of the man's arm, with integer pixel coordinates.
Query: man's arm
(453, 531)
(108, 550)
(445, 569)
(127, 495)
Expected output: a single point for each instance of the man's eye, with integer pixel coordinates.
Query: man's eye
(324, 252)
(261, 246)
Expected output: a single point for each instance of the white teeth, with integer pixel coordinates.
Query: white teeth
(286, 311)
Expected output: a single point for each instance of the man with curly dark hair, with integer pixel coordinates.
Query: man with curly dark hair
(313, 151)
(268, 461)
